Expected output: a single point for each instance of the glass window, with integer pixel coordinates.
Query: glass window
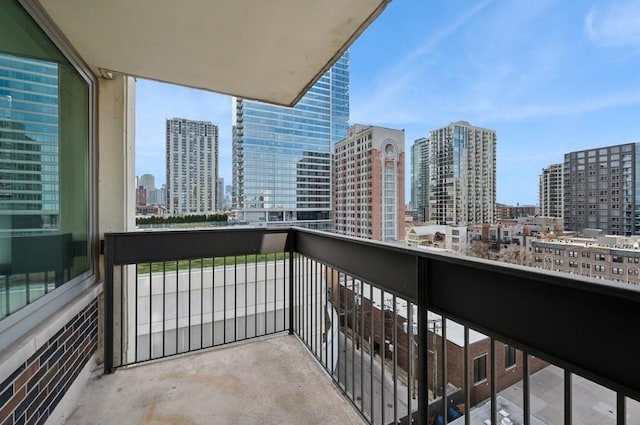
(44, 198)
(480, 369)
(509, 356)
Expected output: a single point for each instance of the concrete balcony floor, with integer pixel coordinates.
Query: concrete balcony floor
(272, 380)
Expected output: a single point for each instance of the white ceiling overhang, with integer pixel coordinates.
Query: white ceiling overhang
(270, 50)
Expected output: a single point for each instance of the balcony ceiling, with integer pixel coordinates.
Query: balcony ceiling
(266, 50)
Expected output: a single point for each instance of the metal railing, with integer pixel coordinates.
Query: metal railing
(407, 335)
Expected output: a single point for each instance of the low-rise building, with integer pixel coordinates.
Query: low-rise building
(610, 257)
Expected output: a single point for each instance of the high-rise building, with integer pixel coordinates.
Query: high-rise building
(29, 146)
(551, 192)
(420, 177)
(148, 181)
(462, 175)
(192, 166)
(368, 183)
(600, 187)
(220, 193)
(282, 156)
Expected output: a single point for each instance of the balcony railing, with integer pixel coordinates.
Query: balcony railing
(405, 334)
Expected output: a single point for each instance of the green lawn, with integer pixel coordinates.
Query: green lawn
(209, 262)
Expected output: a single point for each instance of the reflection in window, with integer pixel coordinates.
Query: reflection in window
(44, 164)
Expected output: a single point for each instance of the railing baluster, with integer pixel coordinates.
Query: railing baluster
(494, 386)
(361, 342)
(150, 310)
(410, 371)
(164, 306)
(275, 297)
(255, 295)
(246, 309)
(312, 318)
(319, 310)
(235, 298)
(122, 314)
(568, 416)
(135, 341)
(353, 339)
(344, 331)
(383, 351)
(395, 361)
(213, 301)
(224, 300)
(423, 371)
(621, 409)
(467, 383)
(188, 307)
(201, 302)
(443, 367)
(526, 389)
(327, 330)
(372, 335)
(177, 307)
(266, 297)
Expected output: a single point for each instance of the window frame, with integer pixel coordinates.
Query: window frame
(509, 353)
(476, 369)
(25, 319)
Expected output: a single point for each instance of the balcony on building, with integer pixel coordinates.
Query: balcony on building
(100, 323)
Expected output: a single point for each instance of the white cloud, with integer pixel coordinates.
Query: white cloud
(617, 25)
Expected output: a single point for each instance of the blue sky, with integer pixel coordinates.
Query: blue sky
(550, 77)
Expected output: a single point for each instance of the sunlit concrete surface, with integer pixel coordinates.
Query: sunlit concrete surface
(272, 380)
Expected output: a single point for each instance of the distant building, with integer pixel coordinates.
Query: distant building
(523, 211)
(148, 181)
(220, 193)
(192, 166)
(420, 178)
(157, 196)
(609, 257)
(600, 186)
(462, 175)
(141, 196)
(551, 191)
(439, 236)
(502, 212)
(368, 184)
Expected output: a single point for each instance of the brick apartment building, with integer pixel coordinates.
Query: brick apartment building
(359, 320)
(614, 258)
(368, 184)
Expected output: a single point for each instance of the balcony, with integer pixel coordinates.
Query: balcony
(291, 323)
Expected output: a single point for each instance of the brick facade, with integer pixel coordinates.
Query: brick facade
(31, 393)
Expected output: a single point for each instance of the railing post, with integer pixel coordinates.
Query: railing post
(291, 280)
(423, 377)
(108, 304)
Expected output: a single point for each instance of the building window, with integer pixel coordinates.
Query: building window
(600, 257)
(509, 356)
(599, 268)
(44, 138)
(480, 369)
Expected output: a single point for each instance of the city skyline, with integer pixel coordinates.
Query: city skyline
(549, 80)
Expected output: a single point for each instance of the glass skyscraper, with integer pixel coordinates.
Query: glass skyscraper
(282, 156)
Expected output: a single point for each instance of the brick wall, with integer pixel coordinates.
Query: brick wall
(31, 393)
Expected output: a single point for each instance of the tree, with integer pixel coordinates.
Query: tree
(478, 249)
(513, 254)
